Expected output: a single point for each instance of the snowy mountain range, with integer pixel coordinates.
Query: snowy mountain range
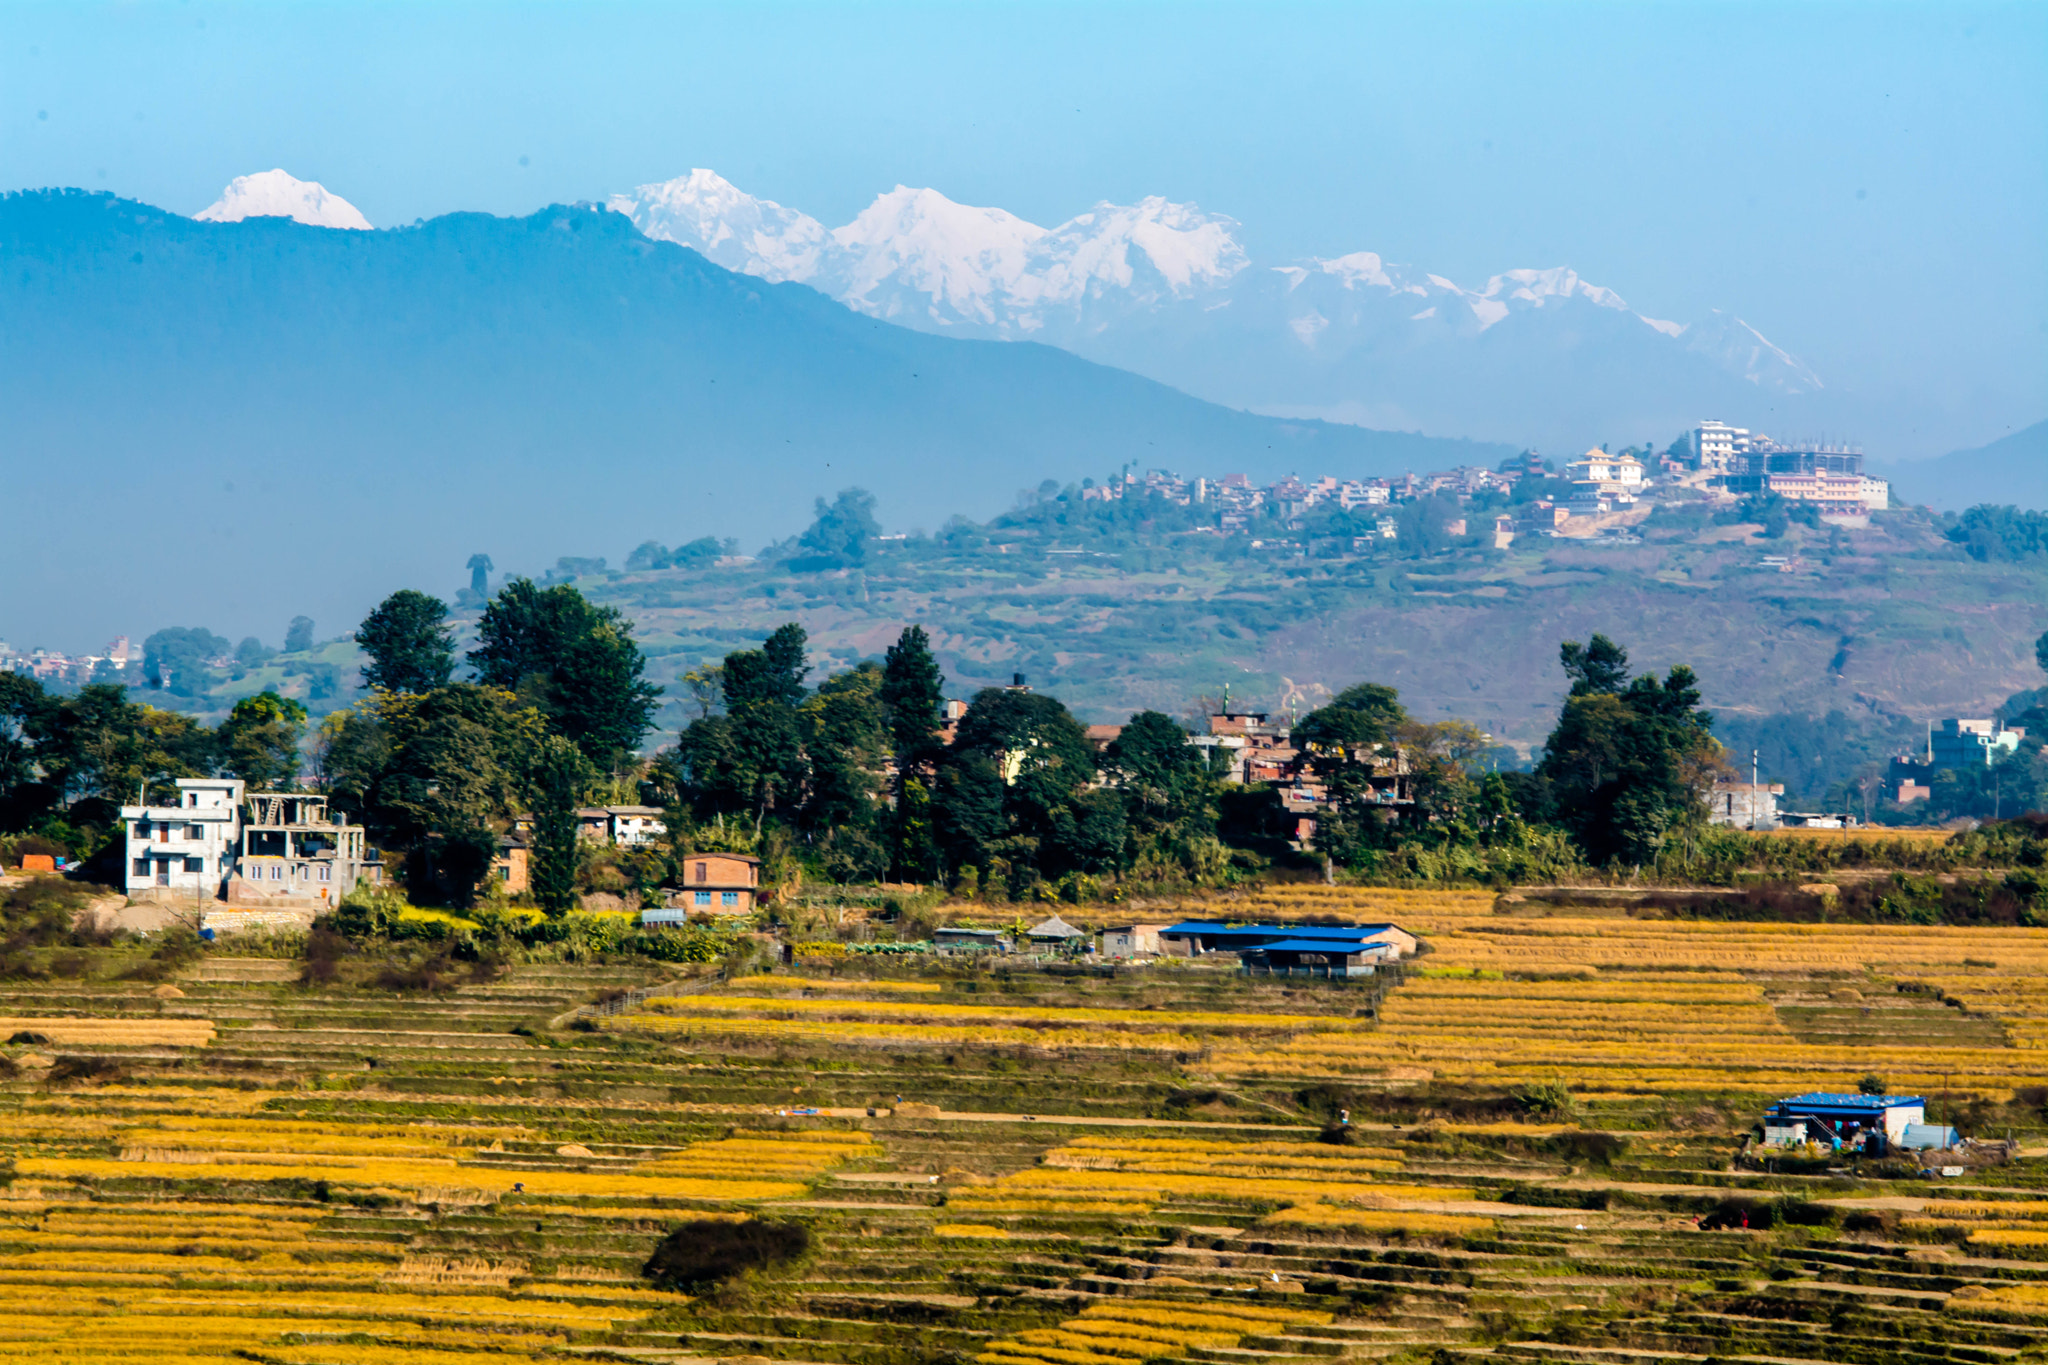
(1168, 290)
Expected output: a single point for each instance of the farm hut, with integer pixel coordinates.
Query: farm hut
(1875, 1123)
(1055, 932)
(1131, 940)
(955, 940)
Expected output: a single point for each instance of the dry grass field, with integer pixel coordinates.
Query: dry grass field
(1041, 1167)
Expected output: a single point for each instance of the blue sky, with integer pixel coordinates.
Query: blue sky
(1865, 183)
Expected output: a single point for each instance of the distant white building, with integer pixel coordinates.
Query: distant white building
(1716, 445)
(188, 845)
(624, 826)
(1745, 805)
(219, 840)
(1599, 472)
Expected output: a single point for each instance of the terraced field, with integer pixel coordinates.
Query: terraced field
(1035, 1168)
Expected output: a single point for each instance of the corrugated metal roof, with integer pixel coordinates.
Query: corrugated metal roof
(1821, 1099)
(1217, 929)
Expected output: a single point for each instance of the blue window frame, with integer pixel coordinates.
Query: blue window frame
(703, 898)
(728, 898)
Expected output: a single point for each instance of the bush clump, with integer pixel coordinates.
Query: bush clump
(699, 1254)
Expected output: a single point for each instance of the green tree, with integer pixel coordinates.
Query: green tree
(252, 653)
(912, 692)
(177, 658)
(845, 741)
(101, 746)
(480, 568)
(25, 710)
(298, 636)
(559, 777)
(917, 850)
(1629, 761)
(1349, 744)
(1012, 787)
(259, 741)
(435, 775)
(1164, 779)
(752, 760)
(410, 646)
(838, 537)
(576, 662)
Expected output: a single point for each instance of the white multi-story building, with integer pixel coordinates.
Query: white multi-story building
(220, 840)
(1716, 445)
(189, 846)
(1599, 472)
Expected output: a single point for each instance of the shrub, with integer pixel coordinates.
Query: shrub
(701, 1253)
(324, 950)
(85, 1070)
(1599, 1149)
(1551, 1098)
(174, 950)
(428, 975)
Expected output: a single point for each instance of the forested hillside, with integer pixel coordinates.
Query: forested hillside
(1826, 646)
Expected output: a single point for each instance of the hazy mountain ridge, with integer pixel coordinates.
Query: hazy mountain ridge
(2012, 470)
(269, 401)
(1166, 289)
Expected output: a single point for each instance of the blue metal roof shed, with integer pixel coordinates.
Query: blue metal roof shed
(1840, 1115)
(1210, 936)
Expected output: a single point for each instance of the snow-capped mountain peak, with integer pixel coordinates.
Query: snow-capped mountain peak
(1141, 247)
(740, 232)
(275, 194)
(911, 244)
(1164, 288)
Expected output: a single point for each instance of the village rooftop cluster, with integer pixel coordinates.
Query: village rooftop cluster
(1715, 463)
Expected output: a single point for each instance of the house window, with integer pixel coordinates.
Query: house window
(195, 864)
(728, 898)
(703, 898)
(142, 867)
(277, 872)
(504, 872)
(326, 873)
(703, 872)
(195, 831)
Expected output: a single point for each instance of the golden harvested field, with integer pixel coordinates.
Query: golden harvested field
(1140, 1329)
(1045, 1167)
(1862, 835)
(1612, 1004)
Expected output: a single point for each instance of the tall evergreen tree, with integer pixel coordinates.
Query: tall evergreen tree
(410, 646)
(559, 778)
(912, 693)
(575, 661)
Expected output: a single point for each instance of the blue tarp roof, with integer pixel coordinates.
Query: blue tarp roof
(1320, 945)
(1821, 1099)
(1218, 929)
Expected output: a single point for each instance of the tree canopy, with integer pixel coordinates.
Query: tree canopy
(575, 662)
(410, 646)
(1630, 759)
